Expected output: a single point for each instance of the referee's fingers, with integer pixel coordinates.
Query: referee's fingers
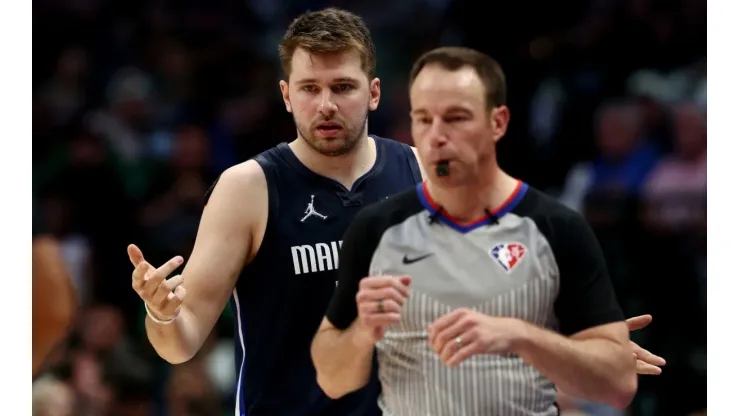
(639, 322)
(388, 305)
(381, 320)
(461, 354)
(644, 368)
(439, 339)
(445, 321)
(372, 295)
(645, 355)
(400, 283)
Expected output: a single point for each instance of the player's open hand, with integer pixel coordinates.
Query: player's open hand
(463, 333)
(163, 296)
(647, 362)
(379, 303)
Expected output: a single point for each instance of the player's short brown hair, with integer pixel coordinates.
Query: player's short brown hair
(329, 30)
(453, 58)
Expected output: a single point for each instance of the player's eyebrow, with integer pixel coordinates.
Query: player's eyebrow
(334, 81)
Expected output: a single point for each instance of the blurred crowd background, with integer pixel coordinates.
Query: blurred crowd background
(138, 105)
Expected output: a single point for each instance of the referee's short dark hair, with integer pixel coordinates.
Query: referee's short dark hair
(453, 58)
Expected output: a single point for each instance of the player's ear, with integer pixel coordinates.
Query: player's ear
(500, 121)
(374, 94)
(285, 92)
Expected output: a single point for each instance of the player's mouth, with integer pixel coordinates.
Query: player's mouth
(329, 129)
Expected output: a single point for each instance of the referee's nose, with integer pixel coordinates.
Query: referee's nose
(438, 137)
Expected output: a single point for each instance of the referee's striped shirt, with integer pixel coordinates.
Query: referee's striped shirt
(539, 262)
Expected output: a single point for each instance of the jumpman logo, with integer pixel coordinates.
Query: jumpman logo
(310, 210)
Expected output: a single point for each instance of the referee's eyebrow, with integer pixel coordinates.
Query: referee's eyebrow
(450, 109)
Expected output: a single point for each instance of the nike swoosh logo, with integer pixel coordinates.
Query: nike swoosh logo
(407, 260)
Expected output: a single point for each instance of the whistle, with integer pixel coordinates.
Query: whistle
(443, 168)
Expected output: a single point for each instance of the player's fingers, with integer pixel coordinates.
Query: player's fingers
(458, 354)
(639, 322)
(164, 289)
(647, 369)
(439, 339)
(138, 275)
(153, 280)
(173, 302)
(134, 254)
(646, 356)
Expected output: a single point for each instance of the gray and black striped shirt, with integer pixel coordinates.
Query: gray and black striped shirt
(532, 259)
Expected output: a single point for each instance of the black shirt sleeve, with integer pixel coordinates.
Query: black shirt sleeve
(358, 246)
(586, 298)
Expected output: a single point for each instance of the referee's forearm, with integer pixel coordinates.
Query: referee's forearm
(599, 370)
(342, 365)
(177, 342)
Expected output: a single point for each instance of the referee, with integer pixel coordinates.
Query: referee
(484, 293)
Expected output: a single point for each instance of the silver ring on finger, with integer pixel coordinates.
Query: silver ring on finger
(380, 306)
(459, 342)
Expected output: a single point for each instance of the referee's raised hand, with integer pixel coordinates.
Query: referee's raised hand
(162, 296)
(379, 303)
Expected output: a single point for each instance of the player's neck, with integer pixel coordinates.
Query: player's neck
(345, 169)
(468, 203)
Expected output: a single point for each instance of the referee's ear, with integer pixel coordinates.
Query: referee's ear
(500, 117)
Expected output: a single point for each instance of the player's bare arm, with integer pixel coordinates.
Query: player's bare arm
(187, 306)
(54, 301)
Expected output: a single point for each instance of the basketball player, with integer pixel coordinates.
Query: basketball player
(271, 232)
(53, 299)
(472, 269)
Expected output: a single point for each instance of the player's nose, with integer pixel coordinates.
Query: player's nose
(327, 105)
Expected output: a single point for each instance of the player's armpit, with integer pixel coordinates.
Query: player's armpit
(229, 235)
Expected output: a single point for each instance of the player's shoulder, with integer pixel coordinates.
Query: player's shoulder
(243, 180)
(390, 211)
(394, 145)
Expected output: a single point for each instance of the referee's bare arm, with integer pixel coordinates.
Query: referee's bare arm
(228, 237)
(591, 357)
(342, 349)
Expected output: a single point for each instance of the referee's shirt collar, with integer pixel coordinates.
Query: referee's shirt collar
(438, 212)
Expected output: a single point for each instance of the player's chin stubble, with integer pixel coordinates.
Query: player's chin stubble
(337, 146)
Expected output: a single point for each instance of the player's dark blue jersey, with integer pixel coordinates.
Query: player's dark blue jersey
(283, 294)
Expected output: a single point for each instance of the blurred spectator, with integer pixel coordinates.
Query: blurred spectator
(190, 391)
(52, 397)
(676, 190)
(175, 198)
(625, 157)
